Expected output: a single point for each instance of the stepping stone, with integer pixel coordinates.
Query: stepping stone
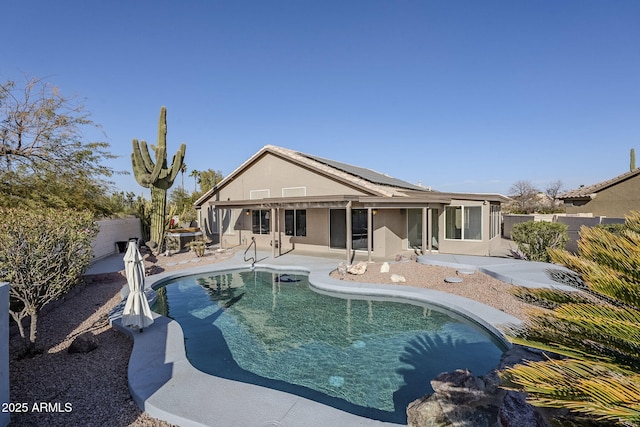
(465, 271)
(453, 279)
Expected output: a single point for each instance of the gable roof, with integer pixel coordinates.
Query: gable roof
(587, 192)
(370, 181)
(376, 185)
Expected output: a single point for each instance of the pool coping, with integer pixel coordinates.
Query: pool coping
(164, 384)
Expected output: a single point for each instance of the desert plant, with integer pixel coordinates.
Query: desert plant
(598, 338)
(534, 238)
(157, 176)
(43, 254)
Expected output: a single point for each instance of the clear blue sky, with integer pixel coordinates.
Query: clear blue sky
(465, 96)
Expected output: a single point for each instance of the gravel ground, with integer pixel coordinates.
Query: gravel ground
(91, 389)
(477, 286)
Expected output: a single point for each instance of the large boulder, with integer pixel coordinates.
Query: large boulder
(462, 400)
(83, 343)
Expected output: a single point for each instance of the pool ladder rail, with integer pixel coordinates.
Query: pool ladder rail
(255, 253)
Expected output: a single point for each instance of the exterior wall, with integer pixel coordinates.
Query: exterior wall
(574, 223)
(112, 231)
(483, 247)
(615, 201)
(389, 232)
(267, 176)
(4, 351)
(273, 174)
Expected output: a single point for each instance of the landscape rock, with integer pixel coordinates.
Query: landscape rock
(359, 268)
(384, 268)
(83, 343)
(462, 400)
(516, 412)
(397, 278)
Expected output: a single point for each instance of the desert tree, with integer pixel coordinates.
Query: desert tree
(43, 254)
(44, 152)
(208, 179)
(553, 189)
(524, 193)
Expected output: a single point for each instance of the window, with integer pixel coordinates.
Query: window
(295, 222)
(463, 222)
(260, 222)
(414, 228)
(259, 194)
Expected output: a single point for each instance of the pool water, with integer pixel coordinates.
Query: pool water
(366, 356)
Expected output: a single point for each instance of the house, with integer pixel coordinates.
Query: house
(613, 198)
(289, 200)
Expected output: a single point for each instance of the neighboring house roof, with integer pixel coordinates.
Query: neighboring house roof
(587, 192)
(374, 183)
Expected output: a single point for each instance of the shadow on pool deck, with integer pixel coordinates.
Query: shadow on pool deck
(165, 385)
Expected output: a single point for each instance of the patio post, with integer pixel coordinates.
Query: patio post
(369, 228)
(349, 233)
(425, 237)
(273, 232)
(430, 229)
(218, 217)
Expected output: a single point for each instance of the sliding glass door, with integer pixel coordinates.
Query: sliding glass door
(338, 229)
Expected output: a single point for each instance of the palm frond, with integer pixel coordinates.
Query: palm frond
(595, 388)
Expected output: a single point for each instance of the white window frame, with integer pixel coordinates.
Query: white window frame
(294, 191)
(463, 219)
(259, 194)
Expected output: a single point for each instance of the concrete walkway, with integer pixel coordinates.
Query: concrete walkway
(513, 271)
(165, 385)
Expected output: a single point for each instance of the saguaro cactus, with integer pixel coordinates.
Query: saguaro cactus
(157, 176)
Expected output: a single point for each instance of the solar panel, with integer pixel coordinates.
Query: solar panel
(366, 174)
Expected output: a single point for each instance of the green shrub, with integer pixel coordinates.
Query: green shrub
(613, 228)
(43, 254)
(534, 238)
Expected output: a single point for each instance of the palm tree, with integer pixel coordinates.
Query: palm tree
(183, 169)
(595, 335)
(196, 177)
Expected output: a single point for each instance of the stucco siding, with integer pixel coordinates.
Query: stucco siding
(615, 201)
(274, 174)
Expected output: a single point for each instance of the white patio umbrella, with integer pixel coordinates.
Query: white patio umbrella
(136, 313)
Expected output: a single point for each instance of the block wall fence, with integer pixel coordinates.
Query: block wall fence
(574, 222)
(113, 231)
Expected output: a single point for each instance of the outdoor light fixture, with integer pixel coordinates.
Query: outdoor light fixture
(375, 211)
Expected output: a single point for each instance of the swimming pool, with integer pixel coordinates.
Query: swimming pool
(360, 354)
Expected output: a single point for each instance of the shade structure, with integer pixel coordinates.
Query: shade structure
(136, 313)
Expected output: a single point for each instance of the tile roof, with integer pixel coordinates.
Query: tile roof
(587, 191)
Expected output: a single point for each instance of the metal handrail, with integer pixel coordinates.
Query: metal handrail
(255, 252)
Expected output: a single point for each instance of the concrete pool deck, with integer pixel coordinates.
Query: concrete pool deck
(166, 386)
